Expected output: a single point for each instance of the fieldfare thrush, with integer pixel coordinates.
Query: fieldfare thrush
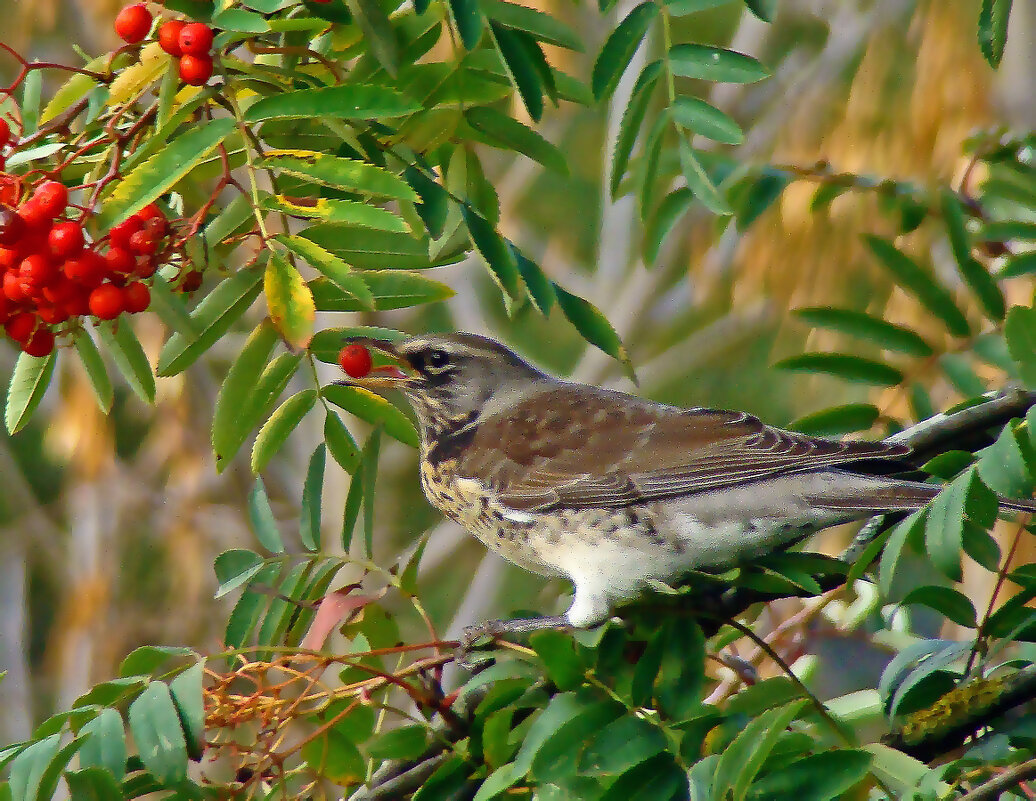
(611, 491)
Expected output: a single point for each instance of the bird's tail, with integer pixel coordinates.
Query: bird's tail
(903, 496)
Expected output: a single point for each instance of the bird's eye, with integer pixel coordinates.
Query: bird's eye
(437, 359)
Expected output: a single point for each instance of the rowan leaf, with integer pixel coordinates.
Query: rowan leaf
(289, 300)
(619, 48)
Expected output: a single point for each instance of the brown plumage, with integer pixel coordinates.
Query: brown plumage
(613, 491)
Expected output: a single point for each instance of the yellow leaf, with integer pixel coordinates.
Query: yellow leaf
(290, 301)
(135, 78)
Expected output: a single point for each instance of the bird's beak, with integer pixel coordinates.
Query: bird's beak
(381, 376)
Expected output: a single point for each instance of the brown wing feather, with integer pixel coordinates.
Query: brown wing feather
(577, 446)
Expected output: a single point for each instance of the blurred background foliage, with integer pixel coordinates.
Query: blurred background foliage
(109, 525)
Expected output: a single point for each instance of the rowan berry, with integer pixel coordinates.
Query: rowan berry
(65, 238)
(52, 198)
(195, 39)
(40, 343)
(106, 302)
(13, 288)
(12, 227)
(195, 70)
(37, 271)
(5, 132)
(133, 23)
(143, 243)
(34, 216)
(136, 297)
(191, 281)
(169, 37)
(355, 360)
(20, 326)
(119, 235)
(119, 261)
(87, 269)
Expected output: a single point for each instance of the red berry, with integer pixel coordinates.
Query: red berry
(37, 271)
(52, 198)
(195, 39)
(51, 313)
(13, 288)
(87, 269)
(21, 325)
(355, 360)
(119, 261)
(191, 281)
(136, 297)
(106, 302)
(119, 235)
(133, 23)
(65, 238)
(34, 216)
(5, 132)
(143, 243)
(149, 212)
(78, 304)
(146, 266)
(195, 70)
(169, 37)
(12, 227)
(40, 343)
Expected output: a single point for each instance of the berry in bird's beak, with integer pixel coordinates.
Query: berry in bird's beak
(355, 360)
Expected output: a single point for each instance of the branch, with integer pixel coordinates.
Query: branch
(1004, 781)
(955, 717)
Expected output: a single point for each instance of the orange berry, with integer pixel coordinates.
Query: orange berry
(133, 23)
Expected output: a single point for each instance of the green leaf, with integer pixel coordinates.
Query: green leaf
(865, 326)
(556, 649)
(468, 19)
(342, 173)
(235, 567)
(378, 32)
(837, 420)
(681, 675)
(106, 746)
(406, 742)
(239, 20)
(541, 290)
(845, 366)
(369, 249)
(147, 659)
(623, 743)
(699, 182)
(351, 212)
(264, 524)
(965, 500)
(535, 23)
(496, 782)
(352, 102)
(91, 784)
(946, 601)
(158, 735)
(513, 135)
(374, 409)
(235, 414)
(681, 8)
(742, 759)
(29, 380)
(390, 290)
(1019, 264)
(764, 9)
(632, 119)
(129, 357)
(289, 300)
(186, 690)
(918, 282)
(1020, 333)
(281, 423)
(211, 319)
(818, 777)
(494, 252)
(671, 209)
(593, 326)
(715, 64)
(312, 491)
(972, 271)
(905, 531)
(520, 67)
(331, 266)
(706, 120)
(619, 48)
(96, 372)
(434, 206)
(369, 462)
(353, 503)
(156, 176)
(1008, 466)
(992, 29)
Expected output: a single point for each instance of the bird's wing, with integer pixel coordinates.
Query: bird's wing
(575, 446)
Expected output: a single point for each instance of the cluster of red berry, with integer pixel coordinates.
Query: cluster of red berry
(190, 42)
(48, 273)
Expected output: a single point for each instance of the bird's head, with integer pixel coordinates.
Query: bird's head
(452, 379)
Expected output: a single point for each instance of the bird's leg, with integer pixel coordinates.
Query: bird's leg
(521, 625)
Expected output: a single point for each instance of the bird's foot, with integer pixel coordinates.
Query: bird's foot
(497, 628)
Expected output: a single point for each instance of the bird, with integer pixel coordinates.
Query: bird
(615, 492)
